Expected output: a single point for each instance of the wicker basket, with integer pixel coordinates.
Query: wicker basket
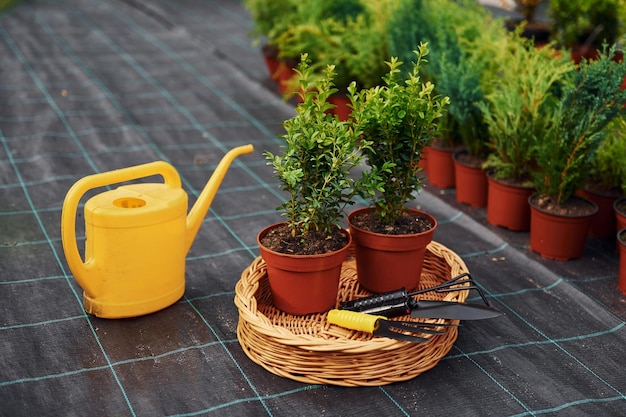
(309, 349)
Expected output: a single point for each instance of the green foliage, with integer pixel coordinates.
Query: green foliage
(270, 17)
(346, 34)
(319, 152)
(463, 39)
(608, 167)
(526, 88)
(5, 5)
(399, 118)
(576, 126)
(575, 22)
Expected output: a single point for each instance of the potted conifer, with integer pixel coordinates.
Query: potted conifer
(398, 118)
(589, 100)
(304, 254)
(606, 178)
(525, 88)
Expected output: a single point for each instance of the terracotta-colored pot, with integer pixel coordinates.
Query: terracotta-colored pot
(341, 103)
(303, 284)
(441, 167)
(389, 262)
(559, 237)
(603, 222)
(621, 278)
(270, 55)
(507, 205)
(620, 216)
(471, 182)
(285, 73)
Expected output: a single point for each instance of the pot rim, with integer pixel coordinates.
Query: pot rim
(370, 208)
(266, 229)
(618, 202)
(489, 173)
(591, 203)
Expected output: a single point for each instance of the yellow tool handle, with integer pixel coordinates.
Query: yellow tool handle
(354, 320)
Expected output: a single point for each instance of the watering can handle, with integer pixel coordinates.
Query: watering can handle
(70, 206)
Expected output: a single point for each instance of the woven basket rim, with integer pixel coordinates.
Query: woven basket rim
(264, 325)
(335, 355)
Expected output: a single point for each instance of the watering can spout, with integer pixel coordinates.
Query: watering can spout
(198, 211)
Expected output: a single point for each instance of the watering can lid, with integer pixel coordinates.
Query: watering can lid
(136, 205)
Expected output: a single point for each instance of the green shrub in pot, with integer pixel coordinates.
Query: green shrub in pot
(398, 118)
(589, 100)
(576, 126)
(526, 88)
(304, 254)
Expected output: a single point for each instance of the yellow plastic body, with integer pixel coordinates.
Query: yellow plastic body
(137, 237)
(354, 320)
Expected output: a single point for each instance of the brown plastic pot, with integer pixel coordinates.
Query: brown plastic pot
(389, 262)
(441, 167)
(556, 236)
(471, 182)
(507, 205)
(603, 223)
(342, 108)
(621, 243)
(303, 284)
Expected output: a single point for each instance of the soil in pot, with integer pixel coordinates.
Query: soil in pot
(470, 179)
(280, 239)
(387, 261)
(303, 284)
(560, 232)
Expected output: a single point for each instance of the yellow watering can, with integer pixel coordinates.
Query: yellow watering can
(137, 237)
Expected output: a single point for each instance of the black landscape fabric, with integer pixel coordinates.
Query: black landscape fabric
(88, 86)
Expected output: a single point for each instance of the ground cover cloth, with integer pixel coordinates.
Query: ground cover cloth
(88, 86)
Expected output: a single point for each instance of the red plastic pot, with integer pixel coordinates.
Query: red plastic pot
(471, 182)
(603, 223)
(441, 167)
(341, 109)
(556, 236)
(389, 262)
(507, 205)
(303, 284)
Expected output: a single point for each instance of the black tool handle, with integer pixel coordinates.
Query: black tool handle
(389, 304)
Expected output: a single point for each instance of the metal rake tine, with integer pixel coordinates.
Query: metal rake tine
(459, 279)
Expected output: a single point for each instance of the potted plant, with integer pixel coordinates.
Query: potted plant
(398, 118)
(271, 18)
(583, 26)
(526, 86)
(589, 100)
(443, 25)
(348, 34)
(305, 253)
(606, 178)
(464, 71)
